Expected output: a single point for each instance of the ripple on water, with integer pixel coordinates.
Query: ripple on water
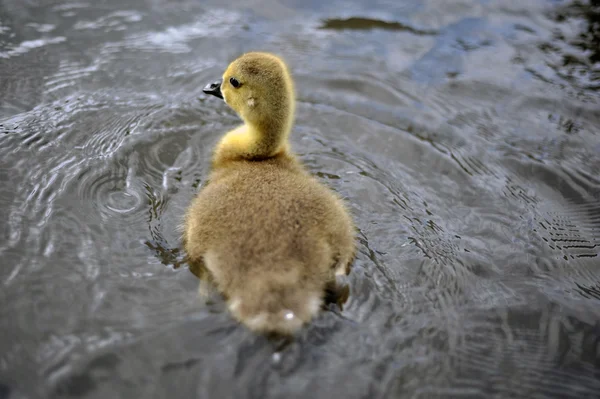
(65, 138)
(446, 282)
(573, 53)
(114, 21)
(29, 45)
(407, 214)
(216, 23)
(114, 193)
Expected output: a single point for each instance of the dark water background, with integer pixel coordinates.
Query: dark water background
(465, 135)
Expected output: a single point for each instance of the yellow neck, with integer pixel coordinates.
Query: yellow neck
(253, 142)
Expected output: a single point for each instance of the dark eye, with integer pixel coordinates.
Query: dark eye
(234, 82)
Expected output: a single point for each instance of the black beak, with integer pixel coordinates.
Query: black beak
(214, 89)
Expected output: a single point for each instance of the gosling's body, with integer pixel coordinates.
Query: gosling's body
(264, 232)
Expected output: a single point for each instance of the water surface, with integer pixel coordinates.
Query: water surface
(464, 134)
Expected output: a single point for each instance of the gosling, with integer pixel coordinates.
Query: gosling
(264, 232)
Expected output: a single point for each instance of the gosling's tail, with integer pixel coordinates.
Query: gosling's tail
(278, 312)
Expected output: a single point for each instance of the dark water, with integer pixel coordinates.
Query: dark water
(465, 134)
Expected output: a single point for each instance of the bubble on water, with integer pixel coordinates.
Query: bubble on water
(276, 358)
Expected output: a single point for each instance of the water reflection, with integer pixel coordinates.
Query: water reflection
(358, 23)
(575, 54)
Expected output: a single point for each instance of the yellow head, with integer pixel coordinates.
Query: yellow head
(259, 88)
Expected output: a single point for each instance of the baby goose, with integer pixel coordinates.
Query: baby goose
(269, 236)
